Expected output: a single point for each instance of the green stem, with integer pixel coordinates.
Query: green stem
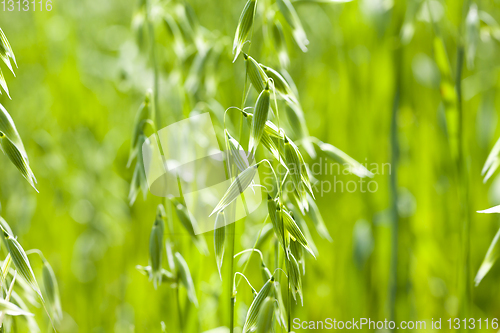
(394, 189)
(462, 172)
(232, 298)
(154, 61)
(464, 189)
(289, 306)
(179, 310)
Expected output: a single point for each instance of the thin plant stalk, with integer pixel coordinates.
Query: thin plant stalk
(462, 172)
(230, 233)
(393, 278)
(154, 62)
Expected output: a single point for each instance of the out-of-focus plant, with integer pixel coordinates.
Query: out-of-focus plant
(17, 279)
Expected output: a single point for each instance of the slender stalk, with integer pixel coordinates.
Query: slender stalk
(393, 278)
(179, 309)
(463, 183)
(463, 187)
(154, 62)
(398, 72)
(230, 232)
(289, 306)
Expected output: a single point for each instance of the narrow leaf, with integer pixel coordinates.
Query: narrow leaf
(489, 259)
(492, 162)
(334, 153)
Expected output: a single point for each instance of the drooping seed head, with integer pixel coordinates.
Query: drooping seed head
(185, 277)
(244, 27)
(17, 158)
(294, 275)
(51, 290)
(6, 52)
(236, 154)
(142, 117)
(156, 246)
(297, 167)
(265, 318)
(20, 260)
(293, 230)
(258, 78)
(253, 311)
(280, 83)
(259, 120)
(8, 128)
(238, 186)
(276, 221)
(139, 180)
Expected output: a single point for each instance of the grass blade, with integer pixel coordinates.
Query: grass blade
(489, 259)
(354, 166)
(492, 162)
(12, 310)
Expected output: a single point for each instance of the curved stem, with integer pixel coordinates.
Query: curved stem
(280, 269)
(272, 169)
(241, 274)
(254, 247)
(36, 251)
(250, 250)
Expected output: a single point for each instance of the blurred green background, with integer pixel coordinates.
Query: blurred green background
(82, 77)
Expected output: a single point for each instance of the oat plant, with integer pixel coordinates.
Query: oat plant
(266, 135)
(280, 152)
